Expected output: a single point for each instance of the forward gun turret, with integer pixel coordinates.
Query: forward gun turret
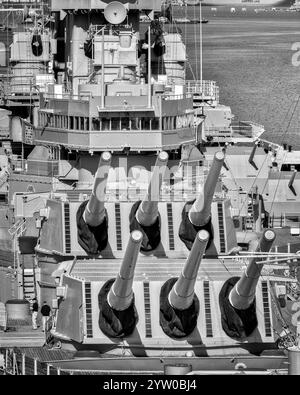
(118, 316)
(144, 215)
(179, 306)
(237, 297)
(91, 216)
(196, 215)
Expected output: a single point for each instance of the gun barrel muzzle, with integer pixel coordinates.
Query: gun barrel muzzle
(182, 294)
(242, 295)
(94, 213)
(120, 295)
(200, 213)
(147, 213)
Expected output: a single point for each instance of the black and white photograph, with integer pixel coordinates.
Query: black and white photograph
(149, 191)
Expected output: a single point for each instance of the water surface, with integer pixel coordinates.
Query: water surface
(250, 56)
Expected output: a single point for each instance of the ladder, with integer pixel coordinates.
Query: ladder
(29, 283)
(16, 231)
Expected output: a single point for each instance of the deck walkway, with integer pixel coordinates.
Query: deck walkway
(23, 336)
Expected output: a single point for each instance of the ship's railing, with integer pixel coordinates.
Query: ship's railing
(291, 220)
(17, 363)
(247, 129)
(124, 107)
(87, 97)
(207, 89)
(135, 194)
(218, 131)
(47, 168)
(23, 86)
(177, 97)
(98, 29)
(67, 96)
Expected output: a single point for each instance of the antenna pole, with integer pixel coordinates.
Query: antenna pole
(149, 69)
(102, 71)
(201, 49)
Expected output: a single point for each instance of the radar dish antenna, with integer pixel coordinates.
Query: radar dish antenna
(115, 13)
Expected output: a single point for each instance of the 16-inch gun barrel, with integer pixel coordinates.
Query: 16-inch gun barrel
(243, 294)
(200, 213)
(120, 296)
(182, 294)
(94, 213)
(147, 212)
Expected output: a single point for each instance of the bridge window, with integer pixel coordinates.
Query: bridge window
(82, 123)
(71, 122)
(155, 124)
(125, 124)
(65, 122)
(115, 123)
(106, 124)
(146, 124)
(135, 124)
(96, 124)
(118, 124)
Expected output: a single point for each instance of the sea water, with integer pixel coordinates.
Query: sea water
(250, 56)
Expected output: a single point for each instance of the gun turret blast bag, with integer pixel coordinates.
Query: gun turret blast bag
(144, 215)
(91, 216)
(179, 306)
(237, 297)
(196, 215)
(118, 316)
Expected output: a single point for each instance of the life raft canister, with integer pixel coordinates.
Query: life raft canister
(36, 45)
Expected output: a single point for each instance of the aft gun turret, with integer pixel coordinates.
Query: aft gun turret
(144, 215)
(118, 316)
(196, 215)
(179, 306)
(237, 297)
(91, 216)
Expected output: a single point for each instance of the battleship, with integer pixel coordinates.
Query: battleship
(118, 208)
